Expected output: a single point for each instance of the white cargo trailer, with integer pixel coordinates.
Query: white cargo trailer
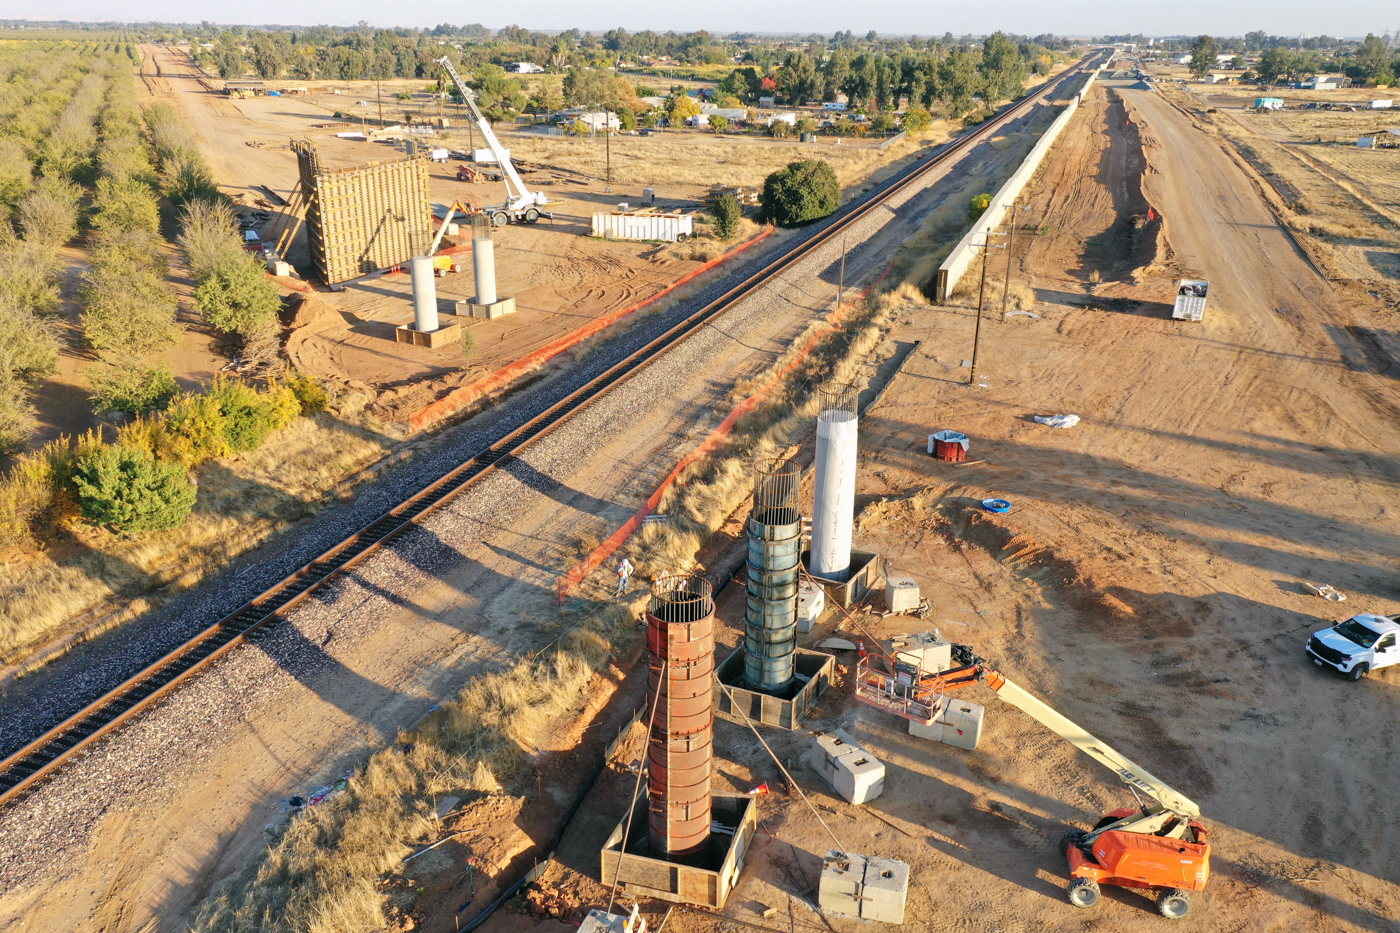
(643, 225)
(1190, 299)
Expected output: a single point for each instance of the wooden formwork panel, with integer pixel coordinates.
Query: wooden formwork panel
(781, 712)
(367, 219)
(735, 817)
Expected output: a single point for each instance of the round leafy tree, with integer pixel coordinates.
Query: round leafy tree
(802, 192)
(129, 489)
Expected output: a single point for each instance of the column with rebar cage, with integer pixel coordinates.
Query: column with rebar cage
(680, 677)
(833, 506)
(775, 558)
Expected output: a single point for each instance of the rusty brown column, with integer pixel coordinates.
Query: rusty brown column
(680, 669)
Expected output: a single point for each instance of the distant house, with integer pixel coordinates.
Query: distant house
(1183, 59)
(767, 103)
(1326, 83)
(524, 68)
(1220, 77)
(732, 114)
(594, 121)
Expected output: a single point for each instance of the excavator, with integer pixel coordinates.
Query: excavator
(1160, 845)
(521, 204)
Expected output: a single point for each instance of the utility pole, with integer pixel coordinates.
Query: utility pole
(981, 290)
(607, 146)
(379, 96)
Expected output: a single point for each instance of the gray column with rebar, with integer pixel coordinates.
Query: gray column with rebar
(775, 558)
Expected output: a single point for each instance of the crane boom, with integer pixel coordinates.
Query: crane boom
(518, 197)
(1128, 772)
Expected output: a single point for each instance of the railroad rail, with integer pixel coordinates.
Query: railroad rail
(46, 755)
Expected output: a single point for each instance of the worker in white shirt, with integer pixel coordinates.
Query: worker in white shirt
(624, 576)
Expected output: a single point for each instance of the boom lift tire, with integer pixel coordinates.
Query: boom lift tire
(1358, 672)
(1084, 892)
(1068, 840)
(1175, 904)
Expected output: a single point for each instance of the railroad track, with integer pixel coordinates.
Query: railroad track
(23, 770)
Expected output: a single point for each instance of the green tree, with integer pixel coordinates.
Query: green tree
(1003, 69)
(719, 122)
(128, 489)
(129, 386)
(798, 79)
(978, 206)
(681, 107)
(1274, 64)
(802, 192)
(238, 298)
(727, 214)
(1373, 58)
(1202, 55)
(917, 119)
(959, 81)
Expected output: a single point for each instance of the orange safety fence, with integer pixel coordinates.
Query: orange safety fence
(458, 399)
(609, 547)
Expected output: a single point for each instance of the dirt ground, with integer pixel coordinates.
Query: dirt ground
(488, 570)
(1147, 581)
(561, 278)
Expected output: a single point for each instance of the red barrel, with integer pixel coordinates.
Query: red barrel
(680, 687)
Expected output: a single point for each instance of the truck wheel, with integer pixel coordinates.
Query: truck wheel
(499, 218)
(1068, 840)
(681, 237)
(1358, 672)
(1084, 892)
(532, 216)
(1175, 904)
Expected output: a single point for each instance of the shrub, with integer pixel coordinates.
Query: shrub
(238, 297)
(802, 192)
(125, 204)
(194, 430)
(128, 489)
(310, 394)
(18, 416)
(208, 238)
(16, 172)
(132, 315)
(780, 129)
(718, 122)
(131, 387)
(978, 206)
(881, 123)
(24, 494)
(917, 119)
(727, 213)
(249, 415)
(48, 214)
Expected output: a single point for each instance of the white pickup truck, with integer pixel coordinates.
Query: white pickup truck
(1361, 644)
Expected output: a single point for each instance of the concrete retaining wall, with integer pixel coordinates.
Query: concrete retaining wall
(962, 256)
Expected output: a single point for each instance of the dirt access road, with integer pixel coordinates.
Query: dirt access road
(146, 827)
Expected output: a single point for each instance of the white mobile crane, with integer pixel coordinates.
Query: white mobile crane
(1158, 845)
(522, 204)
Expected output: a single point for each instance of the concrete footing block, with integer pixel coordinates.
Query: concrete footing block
(863, 887)
(432, 339)
(851, 771)
(495, 309)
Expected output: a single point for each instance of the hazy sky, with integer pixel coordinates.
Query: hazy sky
(922, 17)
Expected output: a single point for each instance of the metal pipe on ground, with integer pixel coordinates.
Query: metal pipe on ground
(680, 675)
(425, 312)
(835, 499)
(775, 556)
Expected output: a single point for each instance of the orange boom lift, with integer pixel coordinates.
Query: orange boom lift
(1160, 845)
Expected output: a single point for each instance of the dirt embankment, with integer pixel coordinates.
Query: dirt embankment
(1096, 227)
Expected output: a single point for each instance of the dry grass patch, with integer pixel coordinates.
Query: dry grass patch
(696, 158)
(323, 872)
(242, 501)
